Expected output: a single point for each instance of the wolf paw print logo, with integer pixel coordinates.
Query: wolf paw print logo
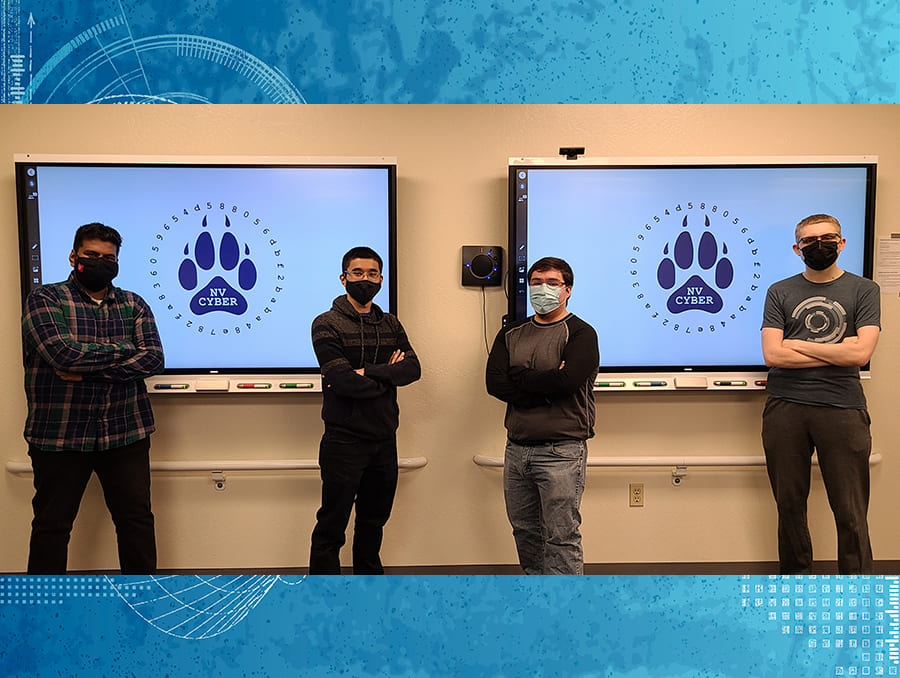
(695, 267)
(695, 293)
(217, 269)
(217, 294)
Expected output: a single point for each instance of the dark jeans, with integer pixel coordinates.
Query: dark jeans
(356, 471)
(59, 482)
(841, 438)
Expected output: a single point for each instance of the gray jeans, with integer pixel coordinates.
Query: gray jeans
(790, 432)
(543, 484)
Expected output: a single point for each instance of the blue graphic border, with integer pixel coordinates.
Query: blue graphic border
(612, 626)
(367, 51)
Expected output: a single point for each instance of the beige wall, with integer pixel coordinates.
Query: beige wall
(452, 191)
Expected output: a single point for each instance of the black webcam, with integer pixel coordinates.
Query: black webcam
(571, 152)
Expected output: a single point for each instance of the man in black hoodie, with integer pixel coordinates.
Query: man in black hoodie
(364, 355)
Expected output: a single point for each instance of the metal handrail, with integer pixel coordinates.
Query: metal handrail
(680, 462)
(407, 463)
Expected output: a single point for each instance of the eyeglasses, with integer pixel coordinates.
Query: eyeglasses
(359, 274)
(549, 283)
(91, 254)
(810, 239)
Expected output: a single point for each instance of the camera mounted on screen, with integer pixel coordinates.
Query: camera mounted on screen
(571, 152)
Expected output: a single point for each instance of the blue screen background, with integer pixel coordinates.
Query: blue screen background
(616, 226)
(307, 219)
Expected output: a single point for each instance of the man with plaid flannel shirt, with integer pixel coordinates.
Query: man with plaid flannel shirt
(88, 346)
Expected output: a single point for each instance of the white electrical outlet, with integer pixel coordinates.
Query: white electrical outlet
(635, 494)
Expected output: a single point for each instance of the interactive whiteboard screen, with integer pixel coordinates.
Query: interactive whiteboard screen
(672, 259)
(235, 256)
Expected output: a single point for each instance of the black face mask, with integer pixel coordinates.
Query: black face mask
(362, 291)
(95, 274)
(820, 255)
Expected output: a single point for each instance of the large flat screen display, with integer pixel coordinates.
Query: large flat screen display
(235, 256)
(672, 258)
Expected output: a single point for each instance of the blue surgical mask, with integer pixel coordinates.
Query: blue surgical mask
(544, 299)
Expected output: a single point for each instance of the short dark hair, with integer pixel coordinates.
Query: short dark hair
(97, 231)
(361, 253)
(552, 263)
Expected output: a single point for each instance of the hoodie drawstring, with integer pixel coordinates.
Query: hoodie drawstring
(362, 343)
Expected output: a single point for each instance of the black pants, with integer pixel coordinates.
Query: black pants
(841, 438)
(59, 482)
(356, 471)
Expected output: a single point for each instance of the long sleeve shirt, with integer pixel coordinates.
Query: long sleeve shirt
(113, 345)
(545, 401)
(362, 405)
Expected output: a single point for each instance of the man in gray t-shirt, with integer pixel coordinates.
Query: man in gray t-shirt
(819, 327)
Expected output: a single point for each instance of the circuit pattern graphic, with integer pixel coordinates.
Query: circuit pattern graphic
(110, 62)
(859, 615)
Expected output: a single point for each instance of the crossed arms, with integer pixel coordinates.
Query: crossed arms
(369, 381)
(47, 333)
(527, 387)
(796, 353)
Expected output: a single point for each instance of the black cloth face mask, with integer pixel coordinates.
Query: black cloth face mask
(95, 274)
(362, 291)
(820, 255)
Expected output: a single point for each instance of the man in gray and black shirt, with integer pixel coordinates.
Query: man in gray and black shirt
(544, 368)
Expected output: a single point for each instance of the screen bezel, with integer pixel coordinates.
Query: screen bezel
(687, 376)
